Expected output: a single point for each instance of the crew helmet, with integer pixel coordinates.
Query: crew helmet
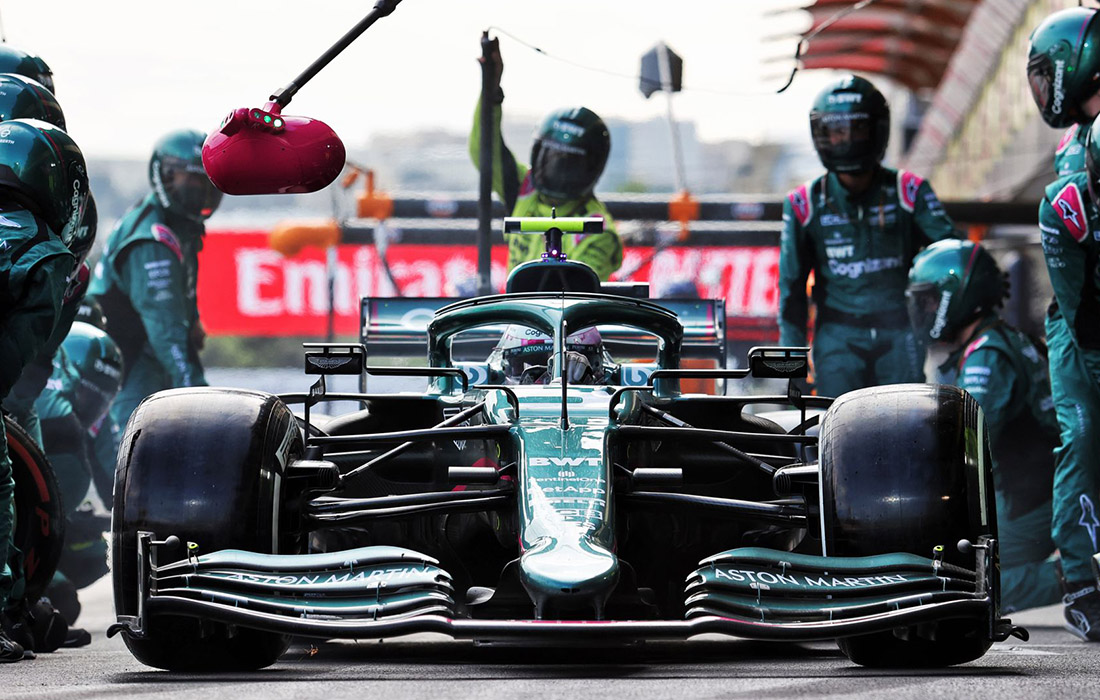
(178, 178)
(42, 168)
(1063, 64)
(1092, 160)
(850, 125)
(84, 239)
(12, 60)
(25, 98)
(91, 313)
(952, 283)
(569, 154)
(98, 364)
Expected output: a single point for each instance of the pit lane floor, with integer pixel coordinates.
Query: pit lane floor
(1052, 664)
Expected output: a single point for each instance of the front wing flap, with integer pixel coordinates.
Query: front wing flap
(782, 587)
(751, 593)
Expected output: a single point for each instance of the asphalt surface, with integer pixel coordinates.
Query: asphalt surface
(1053, 664)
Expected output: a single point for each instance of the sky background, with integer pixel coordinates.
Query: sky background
(126, 71)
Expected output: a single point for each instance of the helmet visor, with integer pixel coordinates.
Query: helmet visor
(1040, 76)
(92, 400)
(562, 171)
(189, 188)
(923, 304)
(846, 138)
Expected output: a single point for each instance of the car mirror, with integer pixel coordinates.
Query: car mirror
(779, 362)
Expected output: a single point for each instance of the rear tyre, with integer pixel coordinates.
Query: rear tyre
(39, 527)
(205, 465)
(905, 468)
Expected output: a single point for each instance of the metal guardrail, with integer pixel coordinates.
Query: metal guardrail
(441, 219)
(725, 208)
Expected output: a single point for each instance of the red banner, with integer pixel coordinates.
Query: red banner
(246, 288)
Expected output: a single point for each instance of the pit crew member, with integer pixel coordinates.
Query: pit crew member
(1068, 218)
(146, 280)
(568, 156)
(39, 218)
(856, 228)
(954, 290)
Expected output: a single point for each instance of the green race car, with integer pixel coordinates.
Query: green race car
(562, 489)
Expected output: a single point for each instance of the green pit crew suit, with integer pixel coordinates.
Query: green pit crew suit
(1006, 372)
(1069, 156)
(146, 283)
(22, 97)
(71, 447)
(1069, 222)
(515, 185)
(859, 248)
(21, 401)
(34, 270)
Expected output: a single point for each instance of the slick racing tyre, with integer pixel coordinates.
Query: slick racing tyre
(202, 464)
(39, 527)
(905, 468)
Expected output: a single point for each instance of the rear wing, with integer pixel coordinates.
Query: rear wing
(398, 327)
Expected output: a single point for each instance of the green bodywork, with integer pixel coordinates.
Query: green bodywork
(565, 507)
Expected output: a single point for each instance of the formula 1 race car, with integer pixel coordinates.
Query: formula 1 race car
(555, 493)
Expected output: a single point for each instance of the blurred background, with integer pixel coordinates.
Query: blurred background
(402, 99)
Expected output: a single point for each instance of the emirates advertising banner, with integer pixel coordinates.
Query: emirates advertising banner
(248, 289)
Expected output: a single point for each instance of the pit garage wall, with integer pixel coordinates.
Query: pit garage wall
(248, 289)
(982, 137)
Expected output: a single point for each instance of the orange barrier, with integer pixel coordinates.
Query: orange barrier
(289, 237)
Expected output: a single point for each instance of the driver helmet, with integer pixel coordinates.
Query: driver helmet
(850, 125)
(951, 284)
(178, 178)
(1063, 64)
(13, 60)
(588, 342)
(98, 364)
(522, 349)
(569, 154)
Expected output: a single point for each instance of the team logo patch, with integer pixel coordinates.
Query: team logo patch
(1067, 138)
(164, 234)
(908, 184)
(1088, 520)
(1071, 209)
(800, 202)
(78, 284)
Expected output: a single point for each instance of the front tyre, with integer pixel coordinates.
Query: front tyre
(206, 465)
(905, 468)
